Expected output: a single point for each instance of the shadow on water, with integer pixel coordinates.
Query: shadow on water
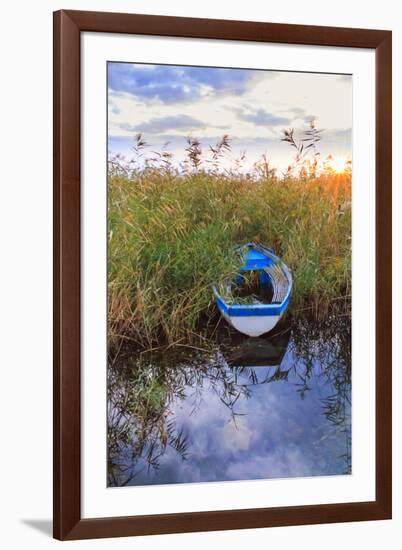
(249, 408)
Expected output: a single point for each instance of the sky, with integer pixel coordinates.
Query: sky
(168, 103)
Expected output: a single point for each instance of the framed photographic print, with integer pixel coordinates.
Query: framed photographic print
(222, 265)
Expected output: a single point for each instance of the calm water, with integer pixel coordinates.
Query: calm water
(249, 409)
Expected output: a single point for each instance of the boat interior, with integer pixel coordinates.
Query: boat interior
(261, 278)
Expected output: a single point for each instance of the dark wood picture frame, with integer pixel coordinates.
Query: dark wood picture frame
(68, 26)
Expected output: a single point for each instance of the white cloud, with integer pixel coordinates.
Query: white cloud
(237, 434)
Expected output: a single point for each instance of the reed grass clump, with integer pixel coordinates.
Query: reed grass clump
(171, 236)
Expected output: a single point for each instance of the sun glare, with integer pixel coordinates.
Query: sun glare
(338, 165)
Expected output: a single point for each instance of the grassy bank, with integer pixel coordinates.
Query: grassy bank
(171, 238)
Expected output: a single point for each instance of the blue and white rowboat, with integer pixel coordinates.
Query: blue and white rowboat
(258, 318)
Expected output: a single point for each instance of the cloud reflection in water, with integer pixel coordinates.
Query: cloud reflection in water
(238, 422)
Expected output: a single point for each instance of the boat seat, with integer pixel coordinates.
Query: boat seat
(280, 283)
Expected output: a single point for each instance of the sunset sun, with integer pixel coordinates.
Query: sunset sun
(338, 165)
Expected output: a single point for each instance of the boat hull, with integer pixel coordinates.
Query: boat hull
(253, 325)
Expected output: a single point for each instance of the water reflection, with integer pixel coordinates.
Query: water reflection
(249, 409)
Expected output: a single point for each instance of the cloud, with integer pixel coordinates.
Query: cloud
(309, 118)
(260, 117)
(234, 80)
(298, 112)
(236, 435)
(171, 84)
(114, 108)
(280, 463)
(302, 114)
(164, 124)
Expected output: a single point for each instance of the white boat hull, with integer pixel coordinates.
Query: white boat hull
(253, 325)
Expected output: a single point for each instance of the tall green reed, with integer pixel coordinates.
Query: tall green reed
(172, 233)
